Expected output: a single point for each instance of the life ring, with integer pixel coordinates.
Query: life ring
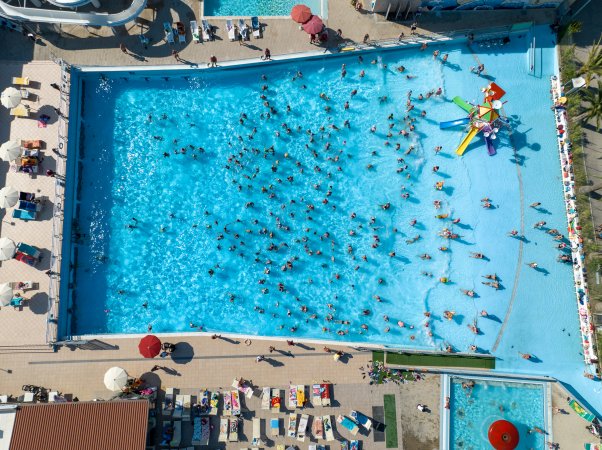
(61, 145)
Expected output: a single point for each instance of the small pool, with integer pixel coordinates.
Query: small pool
(262, 8)
(473, 410)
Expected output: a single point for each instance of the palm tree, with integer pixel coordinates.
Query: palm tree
(593, 65)
(594, 108)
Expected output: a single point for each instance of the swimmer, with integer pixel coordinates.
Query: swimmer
(539, 224)
(468, 292)
(535, 205)
(513, 233)
(492, 276)
(477, 255)
(533, 265)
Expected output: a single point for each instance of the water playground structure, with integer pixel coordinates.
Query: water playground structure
(485, 117)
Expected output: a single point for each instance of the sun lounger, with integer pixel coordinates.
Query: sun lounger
(196, 431)
(231, 30)
(29, 196)
(21, 81)
(243, 386)
(328, 431)
(349, 424)
(256, 432)
(179, 407)
(317, 428)
(206, 30)
(17, 302)
(24, 214)
(26, 259)
(32, 143)
(256, 27)
(223, 430)
(194, 30)
(292, 396)
(302, 427)
(361, 419)
(28, 250)
(168, 33)
(233, 430)
(177, 434)
(214, 402)
(354, 445)
(275, 401)
(265, 398)
(23, 285)
(20, 111)
(325, 393)
(243, 29)
(300, 396)
(205, 430)
(203, 405)
(187, 401)
(181, 30)
(344, 445)
(275, 426)
(29, 206)
(280, 447)
(227, 404)
(235, 403)
(291, 430)
(316, 395)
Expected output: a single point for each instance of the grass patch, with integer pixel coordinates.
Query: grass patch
(391, 440)
(412, 359)
(378, 356)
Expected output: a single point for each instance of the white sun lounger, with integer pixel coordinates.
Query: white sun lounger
(291, 430)
(265, 398)
(361, 419)
(243, 29)
(292, 396)
(168, 33)
(256, 432)
(327, 421)
(206, 29)
(317, 428)
(177, 434)
(168, 403)
(186, 403)
(231, 30)
(256, 27)
(233, 431)
(223, 430)
(179, 407)
(275, 401)
(194, 30)
(302, 427)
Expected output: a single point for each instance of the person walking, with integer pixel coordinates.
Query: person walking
(123, 48)
(260, 358)
(176, 55)
(212, 61)
(267, 55)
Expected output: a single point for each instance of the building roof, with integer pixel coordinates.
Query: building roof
(81, 425)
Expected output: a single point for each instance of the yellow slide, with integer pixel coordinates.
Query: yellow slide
(471, 134)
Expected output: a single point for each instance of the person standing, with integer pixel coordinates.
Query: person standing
(123, 48)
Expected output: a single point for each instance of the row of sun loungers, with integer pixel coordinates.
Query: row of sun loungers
(207, 31)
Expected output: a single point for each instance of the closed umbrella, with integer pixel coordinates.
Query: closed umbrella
(149, 346)
(6, 294)
(9, 151)
(8, 197)
(10, 97)
(300, 13)
(116, 379)
(314, 25)
(7, 249)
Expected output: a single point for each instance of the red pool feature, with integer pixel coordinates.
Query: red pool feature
(503, 435)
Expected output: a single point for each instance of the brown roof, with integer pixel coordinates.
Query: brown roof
(82, 425)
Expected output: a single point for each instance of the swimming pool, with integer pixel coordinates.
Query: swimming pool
(261, 8)
(155, 270)
(474, 409)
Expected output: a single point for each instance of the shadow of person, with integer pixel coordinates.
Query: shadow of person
(183, 353)
(38, 303)
(273, 362)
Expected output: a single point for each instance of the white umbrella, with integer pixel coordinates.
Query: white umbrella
(10, 97)
(9, 151)
(8, 197)
(7, 249)
(6, 294)
(116, 379)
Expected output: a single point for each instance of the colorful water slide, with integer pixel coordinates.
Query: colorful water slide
(454, 123)
(463, 104)
(469, 137)
(72, 17)
(490, 147)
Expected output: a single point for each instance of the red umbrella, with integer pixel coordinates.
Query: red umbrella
(503, 435)
(314, 25)
(149, 346)
(300, 13)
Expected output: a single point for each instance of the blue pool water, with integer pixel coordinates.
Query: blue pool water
(186, 205)
(258, 7)
(473, 410)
